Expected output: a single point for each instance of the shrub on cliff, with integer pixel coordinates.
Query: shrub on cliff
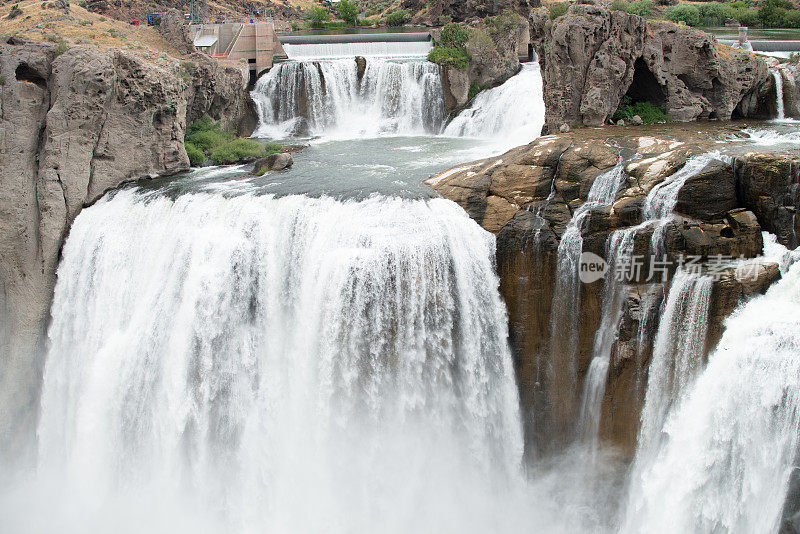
(397, 18)
(237, 150)
(451, 50)
(449, 56)
(558, 9)
(643, 8)
(196, 156)
(454, 35)
(683, 13)
(715, 13)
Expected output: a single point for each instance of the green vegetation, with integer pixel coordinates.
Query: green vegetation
(398, 18)
(237, 150)
(558, 9)
(196, 156)
(206, 140)
(684, 13)
(778, 14)
(475, 88)
(318, 16)
(643, 8)
(454, 35)
(449, 56)
(451, 50)
(771, 14)
(649, 113)
(348, 11)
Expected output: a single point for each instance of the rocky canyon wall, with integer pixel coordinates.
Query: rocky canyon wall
(73, 124)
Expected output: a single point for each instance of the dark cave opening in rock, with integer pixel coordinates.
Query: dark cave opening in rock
(25, 73)
(645, 87)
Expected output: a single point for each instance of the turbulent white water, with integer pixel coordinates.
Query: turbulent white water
(399, 49)
(513, 111)
(726, 457)
(286, 364)
(328, 98)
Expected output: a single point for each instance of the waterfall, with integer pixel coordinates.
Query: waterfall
(282, 364)
(729, 446)
(678, 350)
(513, 111)
(565, 315)
(619, 249)
(779, 107)
(330, 98)
(659, 204)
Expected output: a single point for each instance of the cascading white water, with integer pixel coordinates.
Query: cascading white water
(513, 111)
(565, 315)
(659, 204)
(726, 457)
(329, 97)
(619, 248)
(678, 351)
(290, 365)
(389, 49)
(779, 106)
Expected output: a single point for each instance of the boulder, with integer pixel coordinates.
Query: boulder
(273, 162)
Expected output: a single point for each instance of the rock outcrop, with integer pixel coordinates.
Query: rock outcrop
(495, 46)
(592, 57)
(527, 198)
(72, 126)
(432, 13)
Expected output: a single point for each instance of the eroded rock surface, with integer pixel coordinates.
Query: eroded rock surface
(592, 57)
(528, 197)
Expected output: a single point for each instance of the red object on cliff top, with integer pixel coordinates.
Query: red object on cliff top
(134, 22)
(220, 56)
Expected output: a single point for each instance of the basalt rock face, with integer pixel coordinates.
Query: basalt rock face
(770, 184)
(528, 196)
(495, 46)
(72, 126)
(592, 57)
(427, 12)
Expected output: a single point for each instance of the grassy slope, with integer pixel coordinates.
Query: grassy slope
(79, 26)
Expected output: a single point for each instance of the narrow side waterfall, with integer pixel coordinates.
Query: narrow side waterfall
(678, 351)
(313, 98)
(780, 111)
(619, 248)
(513, 111)
(729, 447)
(290, 365)
(565, 317)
